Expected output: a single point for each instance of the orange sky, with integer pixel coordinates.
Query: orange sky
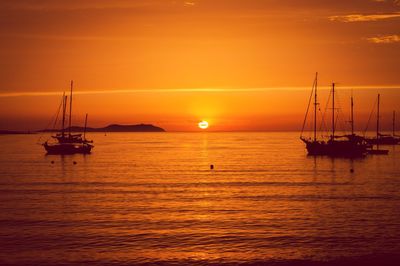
(173, 63)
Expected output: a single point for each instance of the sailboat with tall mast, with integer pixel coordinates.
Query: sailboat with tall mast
(336, 146)
(383, 139)
(394, 128)
(68, 143)
(353, 136)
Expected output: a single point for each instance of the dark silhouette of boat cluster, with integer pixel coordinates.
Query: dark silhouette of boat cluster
(347, 145)
(66, 142)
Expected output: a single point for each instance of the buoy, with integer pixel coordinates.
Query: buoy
(351, 170)
(211, 166)
(74, 162)
(52, 162)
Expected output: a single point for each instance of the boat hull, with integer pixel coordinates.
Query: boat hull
(336, 148)
(64, 149)
(383, 141)
(378, 152)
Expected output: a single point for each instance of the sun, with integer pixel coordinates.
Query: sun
(203, 124)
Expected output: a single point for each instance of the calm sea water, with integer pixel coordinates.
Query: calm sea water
(151, 198)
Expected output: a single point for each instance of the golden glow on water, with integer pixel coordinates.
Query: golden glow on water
(151, 197)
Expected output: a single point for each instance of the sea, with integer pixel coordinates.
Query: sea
(154, 199)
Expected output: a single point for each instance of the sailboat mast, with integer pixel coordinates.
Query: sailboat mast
(315, 107)
(70, 109)
(333, 111)
(84, 131)
(377, 117)
(64, 105)
(394, 123)
(352, 115)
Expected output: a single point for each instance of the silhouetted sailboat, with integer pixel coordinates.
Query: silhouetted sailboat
(353, 136)
(394, 127)
(379, 139)
(68, 143)
(337, 146)
(383, 139)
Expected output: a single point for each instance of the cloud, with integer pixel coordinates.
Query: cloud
(187, 90)
(385, 39)
(117, 91)
(363, 18)
(76, 4)
(395, 2)
(189, 3)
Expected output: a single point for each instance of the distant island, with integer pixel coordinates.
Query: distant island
(114, 128)
(109, 128)
(120, 128)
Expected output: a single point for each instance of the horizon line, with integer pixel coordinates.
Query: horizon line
(43, 131)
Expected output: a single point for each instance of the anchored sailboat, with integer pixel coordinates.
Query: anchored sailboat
(383, 139)
(353, 136)
(68, 143)
(394, 128)
(337, 146)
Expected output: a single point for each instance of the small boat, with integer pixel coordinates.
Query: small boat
(378, 152)
(66, 142)
(380, 139)
(354, 137)
(336, 146)
(384, 139)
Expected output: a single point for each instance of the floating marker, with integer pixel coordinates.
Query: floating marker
(211, 166)
(351, 170)
(74, 162)
(52, 162)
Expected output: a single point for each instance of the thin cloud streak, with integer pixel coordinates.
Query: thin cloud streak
(198, 90)
(364, 18)
(385, 39)
(73, 37)
(78, 5)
